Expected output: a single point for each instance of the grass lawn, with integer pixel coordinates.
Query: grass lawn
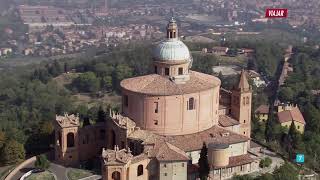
(75, 174)
(41, 176)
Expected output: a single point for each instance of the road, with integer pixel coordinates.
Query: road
(26, 168)
(59, 171)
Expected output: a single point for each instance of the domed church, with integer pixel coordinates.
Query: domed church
(166, 117)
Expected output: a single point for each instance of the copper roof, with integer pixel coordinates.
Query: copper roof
(291, 115)
(155, 84)
(262, 109)
(227, 121)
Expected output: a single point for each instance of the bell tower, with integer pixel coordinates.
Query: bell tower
(241, 104)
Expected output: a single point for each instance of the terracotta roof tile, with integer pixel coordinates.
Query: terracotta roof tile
(155, 84)
(213, 135)
(168, 152)
(238, 160)
(116, 157)
(227, 121)
(262, 109)
(291, 115)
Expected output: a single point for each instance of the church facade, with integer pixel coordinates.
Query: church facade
(166, 117)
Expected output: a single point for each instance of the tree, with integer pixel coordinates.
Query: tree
(266, 162)
(2, 139)
(42, 162)
(286, 172)
(87, 82)
(243, 177)
(12, 152)
(203, 163)
(86, 122)
(66, 67)
(286, 94)
(47, 128)
(106, 82)
(101, 115)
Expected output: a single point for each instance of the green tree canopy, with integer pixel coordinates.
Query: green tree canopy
(87, 82)
(42, 162)
(203, 163)
(2, 139)
(12, 152)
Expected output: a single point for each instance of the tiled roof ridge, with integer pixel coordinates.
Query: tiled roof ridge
(176, 149)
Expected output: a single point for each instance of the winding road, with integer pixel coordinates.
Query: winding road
(59, 171)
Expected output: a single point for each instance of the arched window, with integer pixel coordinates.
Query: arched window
(116, 175)
(248, 100)
(140, 170)
(191, 104)
(70, 140)
(180, 71)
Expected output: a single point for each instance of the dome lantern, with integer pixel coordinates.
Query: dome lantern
(172, 57)
(172, 29)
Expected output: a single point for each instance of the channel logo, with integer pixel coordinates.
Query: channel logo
(276, 13)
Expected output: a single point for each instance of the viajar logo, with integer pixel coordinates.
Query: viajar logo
(276, 13)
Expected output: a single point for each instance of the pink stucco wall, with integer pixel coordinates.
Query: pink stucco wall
(173, 117)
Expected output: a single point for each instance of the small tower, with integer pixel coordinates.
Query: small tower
(172, 29)
(67, 139)
(241, 104)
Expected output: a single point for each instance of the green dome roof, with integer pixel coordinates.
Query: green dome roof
(171, 50)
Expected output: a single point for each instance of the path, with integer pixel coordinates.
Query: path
(59, 171)
(94, 177)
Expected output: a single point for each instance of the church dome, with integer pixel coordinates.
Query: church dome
(171, 50)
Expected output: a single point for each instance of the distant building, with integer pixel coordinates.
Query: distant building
(283, 106)
(294, 115)
(166, 116)
(28, 51)
(5, 51)
(218, 50)
(262, 113)
(256, 78)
